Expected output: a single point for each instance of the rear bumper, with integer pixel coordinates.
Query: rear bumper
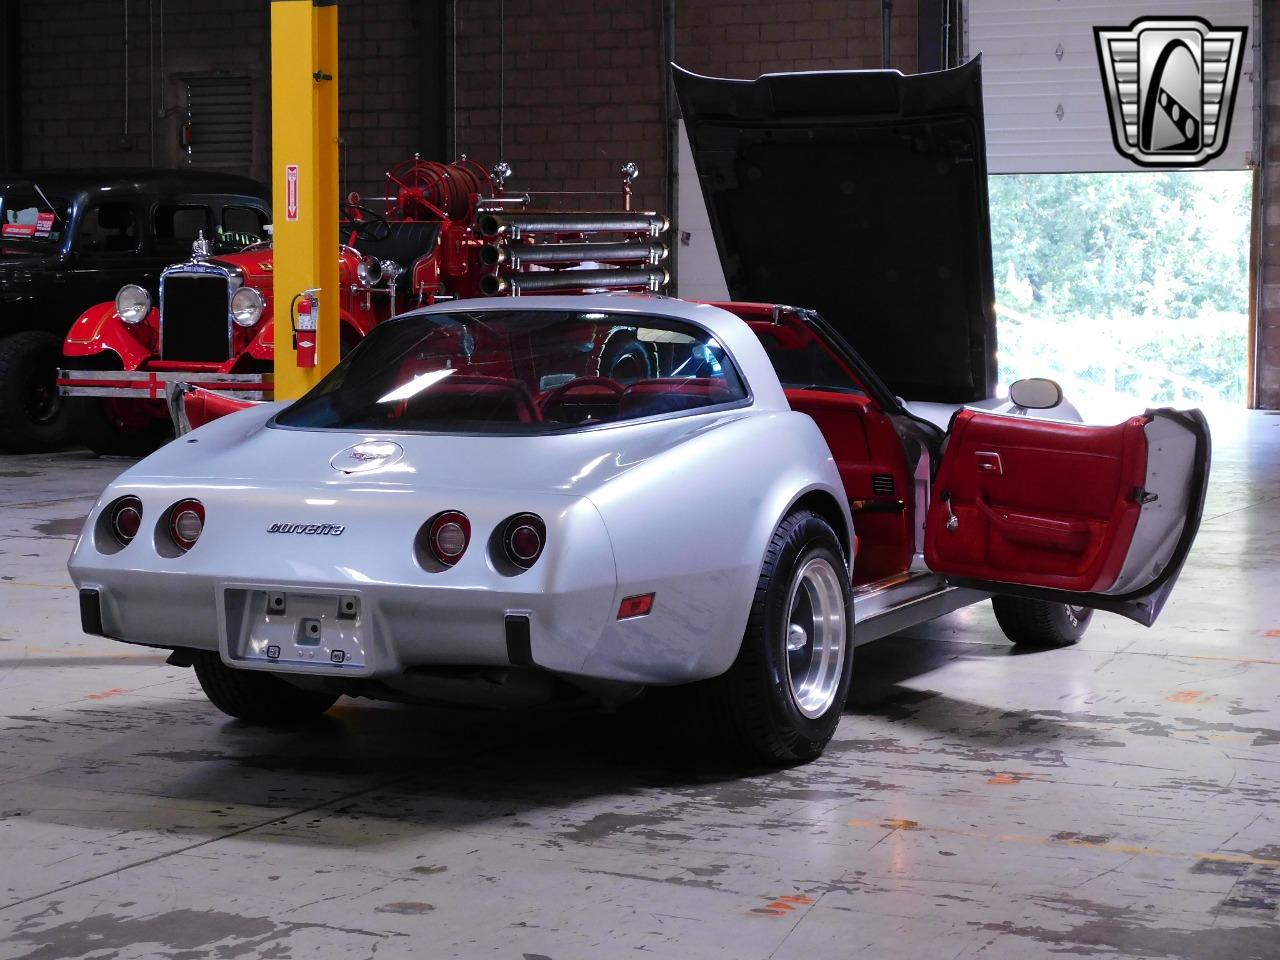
(150, 384)
(394, 628)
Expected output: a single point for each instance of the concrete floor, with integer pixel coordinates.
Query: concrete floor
(1117, 799)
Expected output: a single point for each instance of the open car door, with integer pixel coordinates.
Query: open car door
(1098, 517)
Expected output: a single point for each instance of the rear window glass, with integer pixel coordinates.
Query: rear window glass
(801, 360)
(176, 226)
(241, 226)
(520, 371)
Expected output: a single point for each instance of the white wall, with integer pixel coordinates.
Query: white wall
(698, 272)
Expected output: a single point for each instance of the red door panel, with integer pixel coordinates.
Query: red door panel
(865, 447)
(1036, 503)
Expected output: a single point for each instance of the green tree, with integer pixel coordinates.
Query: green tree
(1165, 245)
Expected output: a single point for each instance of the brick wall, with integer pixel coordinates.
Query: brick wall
(1266, 372)
(83, 108)
(583, 79)
(583, 92)
(749, 37)
(79, 110)
(382, 45)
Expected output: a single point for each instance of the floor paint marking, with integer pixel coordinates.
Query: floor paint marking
(108, 694)
(1193, 656)
(1190, 696)
(782, 905)
(892, 823)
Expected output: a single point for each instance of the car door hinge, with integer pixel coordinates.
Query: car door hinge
(1142, 495)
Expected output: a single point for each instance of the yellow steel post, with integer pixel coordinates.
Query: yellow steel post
(304, 181)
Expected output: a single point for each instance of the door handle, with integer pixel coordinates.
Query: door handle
(989, 462)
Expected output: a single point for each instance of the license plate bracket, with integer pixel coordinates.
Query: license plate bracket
(296, 630)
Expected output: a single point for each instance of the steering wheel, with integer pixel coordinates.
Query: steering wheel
(366, 224)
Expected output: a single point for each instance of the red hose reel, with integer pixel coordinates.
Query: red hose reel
(428, 190)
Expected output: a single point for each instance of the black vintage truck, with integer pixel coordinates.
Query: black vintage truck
(70, 240)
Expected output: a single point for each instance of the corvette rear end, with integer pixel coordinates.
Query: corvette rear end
(492, 526)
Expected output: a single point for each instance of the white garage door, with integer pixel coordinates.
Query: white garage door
(1045, 105)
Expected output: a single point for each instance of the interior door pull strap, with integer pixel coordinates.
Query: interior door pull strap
(1070, 536)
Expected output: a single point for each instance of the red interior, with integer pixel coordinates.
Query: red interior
(464, 396)
(583, 399)
(1043, 504)
(862, 439)
(647, 398)
(864, 443)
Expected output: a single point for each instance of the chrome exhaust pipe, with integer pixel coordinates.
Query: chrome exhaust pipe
(490, 225)
(493, 254)
(492, 285)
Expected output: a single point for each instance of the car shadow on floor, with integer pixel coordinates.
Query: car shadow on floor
(153, 760)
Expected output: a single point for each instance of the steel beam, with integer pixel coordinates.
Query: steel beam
(304, 181)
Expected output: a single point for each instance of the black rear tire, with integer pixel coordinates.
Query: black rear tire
(257, 697)
(108, 435)
(752, 710)
(33, 417)
(1040, 624)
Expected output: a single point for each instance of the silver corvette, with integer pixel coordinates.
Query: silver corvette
(498, 500)
(465, 501)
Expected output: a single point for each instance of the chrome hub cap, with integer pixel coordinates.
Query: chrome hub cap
(797, 638)
(816, 637)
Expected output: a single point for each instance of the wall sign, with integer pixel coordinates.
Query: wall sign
(291, 191)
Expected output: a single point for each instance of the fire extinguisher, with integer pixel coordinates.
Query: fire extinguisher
(305, 315)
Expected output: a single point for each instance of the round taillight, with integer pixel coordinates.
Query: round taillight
(448, 534)
(124, 517)
(523, 537)
(186, 522)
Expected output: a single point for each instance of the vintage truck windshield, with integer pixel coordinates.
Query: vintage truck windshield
(26, 220)
(519, 371)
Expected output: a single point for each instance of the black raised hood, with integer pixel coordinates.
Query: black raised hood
(861, 194)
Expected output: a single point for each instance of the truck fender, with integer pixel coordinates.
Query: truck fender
(100, 330)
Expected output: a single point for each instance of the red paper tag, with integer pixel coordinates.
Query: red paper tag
(44, 223)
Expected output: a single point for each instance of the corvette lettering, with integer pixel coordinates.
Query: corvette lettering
(310, 529)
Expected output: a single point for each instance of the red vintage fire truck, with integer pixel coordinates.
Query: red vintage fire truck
(445, 231)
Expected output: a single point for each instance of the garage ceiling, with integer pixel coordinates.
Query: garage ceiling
(1045, 107)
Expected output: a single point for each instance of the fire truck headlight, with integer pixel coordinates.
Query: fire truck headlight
(133, 303)
(247, 306)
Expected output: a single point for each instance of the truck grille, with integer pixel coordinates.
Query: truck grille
(193, 319)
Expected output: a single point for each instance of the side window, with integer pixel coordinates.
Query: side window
(177, 225)
(109, 228)
(240, 227)
(801, 361)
